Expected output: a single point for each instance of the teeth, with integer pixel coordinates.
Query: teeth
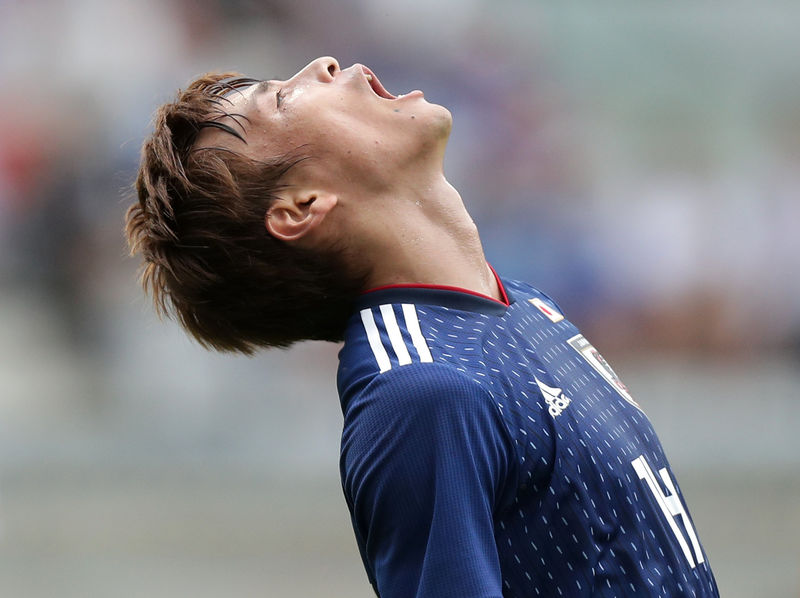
(369, 77)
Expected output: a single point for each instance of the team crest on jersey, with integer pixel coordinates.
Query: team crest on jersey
(555, 398)
(600, 365)
(548, 310)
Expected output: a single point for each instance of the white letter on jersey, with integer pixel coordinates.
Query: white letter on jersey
(671, 506)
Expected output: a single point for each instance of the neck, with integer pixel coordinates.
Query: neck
(427, 238)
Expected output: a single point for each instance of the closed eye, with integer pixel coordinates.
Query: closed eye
(279, 97)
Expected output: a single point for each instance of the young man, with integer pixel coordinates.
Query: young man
(488, 449)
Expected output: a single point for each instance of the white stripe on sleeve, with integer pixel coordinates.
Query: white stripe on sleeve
(398, 344)
(374, 338)
(412, 323)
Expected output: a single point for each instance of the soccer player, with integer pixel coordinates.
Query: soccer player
(488, 449)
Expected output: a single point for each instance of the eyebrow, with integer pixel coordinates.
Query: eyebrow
(262, 87)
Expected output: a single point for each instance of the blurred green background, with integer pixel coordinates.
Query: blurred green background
(638, 161)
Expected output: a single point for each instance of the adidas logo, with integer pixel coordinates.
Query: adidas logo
(555, 398)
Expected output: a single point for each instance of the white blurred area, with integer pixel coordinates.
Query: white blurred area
(640, 162)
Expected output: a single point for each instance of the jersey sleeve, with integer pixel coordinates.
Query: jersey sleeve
(425, 456)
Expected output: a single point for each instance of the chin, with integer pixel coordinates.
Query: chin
(441, 121)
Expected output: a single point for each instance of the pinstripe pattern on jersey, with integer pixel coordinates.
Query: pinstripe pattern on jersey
(583, 521)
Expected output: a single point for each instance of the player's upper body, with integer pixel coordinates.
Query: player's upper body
(489, 450)
(266, 207)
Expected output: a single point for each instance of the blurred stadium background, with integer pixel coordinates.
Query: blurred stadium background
(639, 161)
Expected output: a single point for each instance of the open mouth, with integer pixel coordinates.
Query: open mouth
(376, 86)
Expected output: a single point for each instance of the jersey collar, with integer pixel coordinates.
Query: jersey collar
(445, 296)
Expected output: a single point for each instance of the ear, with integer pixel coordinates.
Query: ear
(298, 212)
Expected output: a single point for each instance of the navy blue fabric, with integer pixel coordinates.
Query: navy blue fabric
(488, 451)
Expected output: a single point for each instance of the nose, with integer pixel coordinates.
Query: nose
(322, 69)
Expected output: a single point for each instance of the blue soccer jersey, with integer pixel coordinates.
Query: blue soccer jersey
(489, 450)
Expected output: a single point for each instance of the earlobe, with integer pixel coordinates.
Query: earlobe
(293, 217)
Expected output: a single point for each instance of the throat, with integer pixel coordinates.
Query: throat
(419, 233)
(441, 258)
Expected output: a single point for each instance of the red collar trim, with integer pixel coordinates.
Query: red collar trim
(443, 287)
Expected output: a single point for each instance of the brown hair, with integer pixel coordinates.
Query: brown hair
(199, 224)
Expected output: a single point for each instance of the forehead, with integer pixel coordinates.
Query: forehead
(235, 113)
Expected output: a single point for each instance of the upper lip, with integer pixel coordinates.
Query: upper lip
(376, 85)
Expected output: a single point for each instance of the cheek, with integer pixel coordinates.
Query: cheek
(330, 133)
(285, 135)
(336, 130)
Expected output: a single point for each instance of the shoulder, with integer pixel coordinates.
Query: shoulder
(419, 388)
(523, 291)
(428, 404)
(419, 422)
(381, 338)
(401, 341)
